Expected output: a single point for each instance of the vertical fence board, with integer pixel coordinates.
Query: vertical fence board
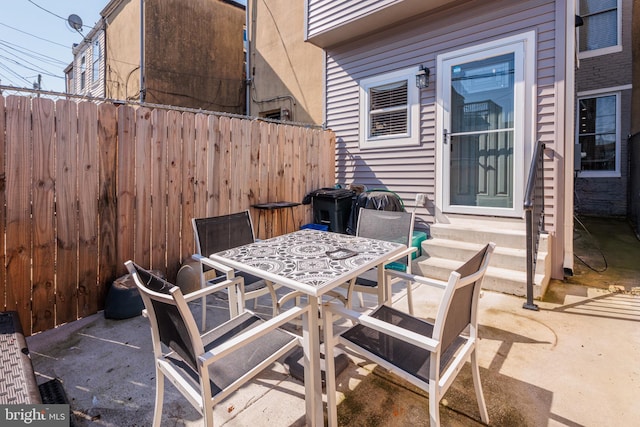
(200, 174)
(67, 211)
(213, 195)
(215, 184)
(18, 208)
(273, 162)
(305, 179)
(281, 184)
(250, 165)
(224, 162)
(44, 237)
(297, 191)
(159, 169)
(262, 138)
(142, 225)
(174, 196)
(188, 177)
(3, 195)
(107, 214)
(88, 208)
(125, 186)
(290, 179)
(238, 167)
(253, 183)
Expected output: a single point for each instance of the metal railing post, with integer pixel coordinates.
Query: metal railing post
(529, 207)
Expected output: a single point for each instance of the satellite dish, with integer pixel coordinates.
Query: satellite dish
(75, 22)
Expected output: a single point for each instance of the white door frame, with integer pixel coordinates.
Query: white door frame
(524, 47)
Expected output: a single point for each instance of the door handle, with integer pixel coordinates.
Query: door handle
(445, 136)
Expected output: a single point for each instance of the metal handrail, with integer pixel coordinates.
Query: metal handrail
(534, 198)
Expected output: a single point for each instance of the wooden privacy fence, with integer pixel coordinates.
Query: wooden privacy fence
(87, 186)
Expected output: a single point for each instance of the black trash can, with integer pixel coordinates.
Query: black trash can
(332, 207)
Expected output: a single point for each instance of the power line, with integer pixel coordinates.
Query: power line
(32, 35)
(13, 72)
(48, 11)
(36, 55)
(41, 71)
(4, 76)
(54, 14)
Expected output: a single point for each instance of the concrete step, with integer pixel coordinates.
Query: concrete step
(482, 232)
(503, 257)
(496, 279)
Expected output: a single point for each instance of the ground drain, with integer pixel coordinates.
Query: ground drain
(53, 393)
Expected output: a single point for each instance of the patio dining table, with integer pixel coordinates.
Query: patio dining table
(312, 262)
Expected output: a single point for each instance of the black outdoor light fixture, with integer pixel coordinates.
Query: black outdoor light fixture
(422, 78)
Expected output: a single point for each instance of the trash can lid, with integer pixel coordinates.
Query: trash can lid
(334, 193)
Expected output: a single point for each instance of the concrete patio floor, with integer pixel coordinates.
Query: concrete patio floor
(572, 363)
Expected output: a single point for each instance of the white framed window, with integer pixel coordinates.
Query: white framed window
(389, 110)
(97, 54)
(598, 133)
(601, 31)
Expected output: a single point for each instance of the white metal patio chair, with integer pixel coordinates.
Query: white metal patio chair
(428, 355)
(215, 234)
(207, 367)
(392, 226)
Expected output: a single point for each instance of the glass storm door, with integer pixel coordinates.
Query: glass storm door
(482, 143)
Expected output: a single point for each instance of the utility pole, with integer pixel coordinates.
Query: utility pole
(38, 85)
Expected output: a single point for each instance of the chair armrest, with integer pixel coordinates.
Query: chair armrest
(286, 297)
(418, 279)
(228, 271)
(251, 335)
(213, 288)
(403, 334)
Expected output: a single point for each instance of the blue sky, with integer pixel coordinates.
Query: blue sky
(35, 38)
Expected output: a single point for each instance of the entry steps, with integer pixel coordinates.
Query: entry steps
(451, 244)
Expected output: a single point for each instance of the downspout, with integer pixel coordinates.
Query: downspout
(569, 133)
(142, 70)
(249, 25)
(104, 57)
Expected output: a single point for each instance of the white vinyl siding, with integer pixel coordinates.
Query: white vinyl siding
(89, 65)
(411, 169)
(324, 14)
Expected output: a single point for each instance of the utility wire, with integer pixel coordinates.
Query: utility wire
(48, 11)
(17, 58)
(32, 53)
(52, 13)
(13, 72)
(4, 76)
(595, 244)
(41, 71)
(29, 34)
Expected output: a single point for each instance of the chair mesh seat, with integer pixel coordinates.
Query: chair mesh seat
(402, 354)
(233, 366)
(368, 278)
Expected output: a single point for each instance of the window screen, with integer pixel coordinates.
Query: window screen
(600, 27)
(388, 109)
